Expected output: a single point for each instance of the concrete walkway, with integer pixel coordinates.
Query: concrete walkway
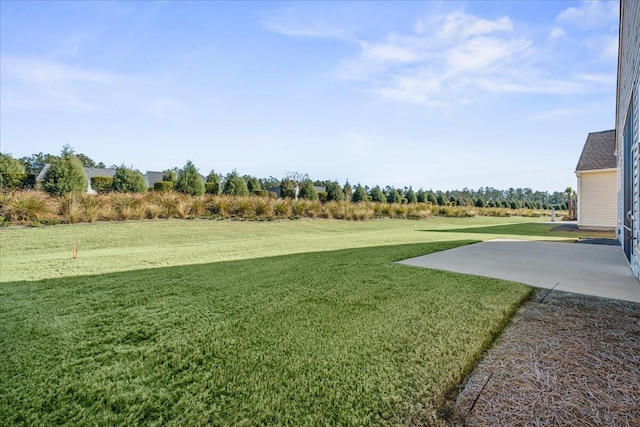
(598, 270)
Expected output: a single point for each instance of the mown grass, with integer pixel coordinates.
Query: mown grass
(340, 337)
(241, 323)
(530, 229)
(45, 252)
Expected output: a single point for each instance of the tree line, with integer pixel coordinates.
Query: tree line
(65, 175)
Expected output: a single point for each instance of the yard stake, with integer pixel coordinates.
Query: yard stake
(74, 250)
(548, 292)
(477, 397)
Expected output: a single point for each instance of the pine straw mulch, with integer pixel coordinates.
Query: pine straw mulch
(571, 360)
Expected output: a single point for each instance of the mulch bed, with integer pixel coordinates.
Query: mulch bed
(571, 360)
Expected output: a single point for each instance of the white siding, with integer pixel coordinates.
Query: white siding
(597, 199)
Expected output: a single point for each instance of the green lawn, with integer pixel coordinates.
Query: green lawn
(239, 323)
(45, 252)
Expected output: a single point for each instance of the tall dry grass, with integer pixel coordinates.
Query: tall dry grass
(34, 206)
(22, 207)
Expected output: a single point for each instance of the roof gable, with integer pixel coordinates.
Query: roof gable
(93, 172)
(598, 151)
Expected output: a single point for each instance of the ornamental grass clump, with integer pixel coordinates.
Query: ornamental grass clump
(24, 207)
(418, 211)
(282, 209)
(361, 212)
(71, 208)
(312, 209)
(129, 206)
(400, 211)
(221, 207)
(263, 207)
(244, 208)
(197, 206)
(497, 212)
(92, 207)
(333, 209)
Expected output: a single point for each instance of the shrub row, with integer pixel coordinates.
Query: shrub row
(37, 207)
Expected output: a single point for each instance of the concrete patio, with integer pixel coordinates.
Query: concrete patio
(598, 270)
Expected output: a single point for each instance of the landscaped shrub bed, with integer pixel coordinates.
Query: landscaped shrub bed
(36, 207)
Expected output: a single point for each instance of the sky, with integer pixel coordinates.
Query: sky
(437, 95)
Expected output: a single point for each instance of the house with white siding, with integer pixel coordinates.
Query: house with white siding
(628, 132)
(597, 174)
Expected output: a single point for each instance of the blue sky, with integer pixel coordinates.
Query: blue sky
(437, 94)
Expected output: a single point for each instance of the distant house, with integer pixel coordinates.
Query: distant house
(597, 181)
(628, 131)
(94, 172)
(278, 190)
(151, 177)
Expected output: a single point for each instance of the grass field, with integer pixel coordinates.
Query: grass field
(240, 323)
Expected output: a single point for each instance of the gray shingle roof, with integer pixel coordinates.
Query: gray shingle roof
(93, 172)
(152, 177)
(598, 151)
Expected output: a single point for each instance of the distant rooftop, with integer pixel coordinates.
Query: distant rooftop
(598, 151)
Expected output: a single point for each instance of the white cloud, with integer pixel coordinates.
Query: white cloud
(450, 60)
(480, 53)
(40, 84)
(592, 13)
(45, 72)
(460, 25)
(603, 79)
(289, 25)
(424, 89)
(556, 33)
(387, 52)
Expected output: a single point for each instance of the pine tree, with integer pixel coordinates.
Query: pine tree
(189, 180)
(65, 175)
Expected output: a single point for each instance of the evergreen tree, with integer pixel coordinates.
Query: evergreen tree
(348, 191)
(287, 189)
(308, 191)
(189, 180)
(334, 192)
(253, 184)
(128, 180)
(86, 161)
(65, 175)
(170, 175)
(377, 195)
(36, 162)
(410, 195)
(12, 173)
(431, 198)
(394, 196)
(234, 185)
(360, 195)
(212, 184)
